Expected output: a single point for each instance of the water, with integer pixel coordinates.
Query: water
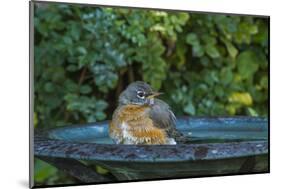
(198, 130)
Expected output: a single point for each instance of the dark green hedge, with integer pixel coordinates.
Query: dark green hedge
(205, 64)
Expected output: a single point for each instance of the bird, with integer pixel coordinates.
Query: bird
(142, 119)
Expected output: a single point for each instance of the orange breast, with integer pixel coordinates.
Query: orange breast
(131, 124)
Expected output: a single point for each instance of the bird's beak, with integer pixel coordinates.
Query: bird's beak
(154, 94)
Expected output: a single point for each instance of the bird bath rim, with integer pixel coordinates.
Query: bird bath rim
(45, 146)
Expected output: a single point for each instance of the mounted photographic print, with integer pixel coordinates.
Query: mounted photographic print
(122, 94)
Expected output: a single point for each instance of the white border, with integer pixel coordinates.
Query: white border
(14, 99)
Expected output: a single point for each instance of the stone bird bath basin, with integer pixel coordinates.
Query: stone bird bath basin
(218, 146)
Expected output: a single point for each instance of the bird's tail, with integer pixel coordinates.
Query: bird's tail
(178, 136)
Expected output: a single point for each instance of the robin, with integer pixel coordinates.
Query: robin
(140, 118)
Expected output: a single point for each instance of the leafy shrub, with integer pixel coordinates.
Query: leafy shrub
(206, 64)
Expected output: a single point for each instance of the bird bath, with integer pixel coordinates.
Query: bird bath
(218, 146)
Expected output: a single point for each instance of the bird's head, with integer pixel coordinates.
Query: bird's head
(138, 93)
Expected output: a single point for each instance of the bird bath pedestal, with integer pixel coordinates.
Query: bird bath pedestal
(218, 146)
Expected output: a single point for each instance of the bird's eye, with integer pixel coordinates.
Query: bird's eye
(140, 94)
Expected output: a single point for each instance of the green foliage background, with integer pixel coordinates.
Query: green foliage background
(205, 64)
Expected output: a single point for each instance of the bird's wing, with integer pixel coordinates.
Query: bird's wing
(162, 115)
(164, 118)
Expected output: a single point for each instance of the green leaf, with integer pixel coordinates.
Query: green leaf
(192, 39)
(212, 51)
(264, 82)
(252, 112)
(43, 171)
(253, 29)
(189, 108)
(226, 75)
(67, 40)
(244, 98)
(219, 91)
(247, 64)
(198, 50)
(71, 68)
(209, 39)
(101, 104)
(70, 86)
(100, 115)
(231, 49)
(49, 87)
(82, 50)
(101, 170)
(85, 89)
